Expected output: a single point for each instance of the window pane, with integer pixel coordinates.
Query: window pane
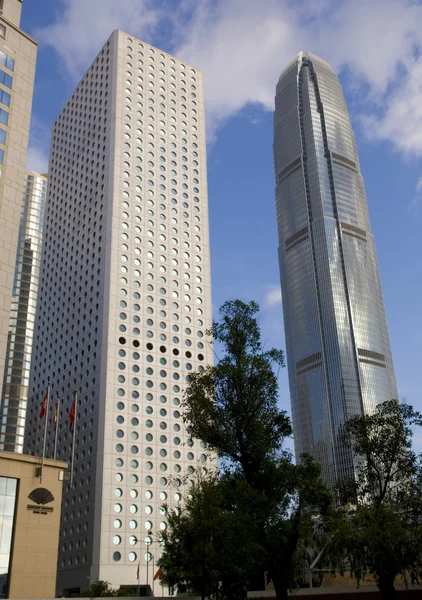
(7, 61)
(5, 98)
(4, 116)
(6, 79)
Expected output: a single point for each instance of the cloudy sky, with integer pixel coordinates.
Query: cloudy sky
(241, 47)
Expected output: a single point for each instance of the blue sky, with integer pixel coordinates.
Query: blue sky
(241, 46)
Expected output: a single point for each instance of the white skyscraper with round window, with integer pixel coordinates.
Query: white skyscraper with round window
(124, 302)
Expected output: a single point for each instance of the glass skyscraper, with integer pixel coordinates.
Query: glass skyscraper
(14, 395)
(338, 350)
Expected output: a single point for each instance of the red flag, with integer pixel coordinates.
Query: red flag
(158, 573)
(56, 415)
(43, 409)
(71, 415)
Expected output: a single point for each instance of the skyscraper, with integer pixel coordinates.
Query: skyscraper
(124, 302)
(338, 349)
(18, 54)
(14, 395)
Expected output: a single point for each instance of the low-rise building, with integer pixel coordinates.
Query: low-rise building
(29, 525)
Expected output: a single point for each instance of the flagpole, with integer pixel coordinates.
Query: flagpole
(74, 436)
(45, 433)
(57, 428)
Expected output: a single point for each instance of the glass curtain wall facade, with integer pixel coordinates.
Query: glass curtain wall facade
(124, 303)
(14, 396)
(338, 349)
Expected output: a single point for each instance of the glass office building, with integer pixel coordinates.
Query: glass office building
(14, 396)
(338, 350)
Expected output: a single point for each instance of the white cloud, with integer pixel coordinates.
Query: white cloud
(370, 38)
(83, 26)
(401, 120)
(36, 160)
(273, 296)
(242, 46)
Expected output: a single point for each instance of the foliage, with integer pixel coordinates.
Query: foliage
(381, 532)
(103, 589)
(232, 407)
(209, 546)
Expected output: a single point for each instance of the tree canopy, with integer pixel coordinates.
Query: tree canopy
(233, 408)
(381, 532)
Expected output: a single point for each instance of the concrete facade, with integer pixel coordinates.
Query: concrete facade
(124, 303)
(34, 542)
(17, 69)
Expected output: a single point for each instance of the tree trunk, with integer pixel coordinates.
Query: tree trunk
(280, 586)
(386, 587)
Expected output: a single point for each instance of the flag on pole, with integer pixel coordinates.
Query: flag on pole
(43, 408)
(158, 573)
(56, 426)
(137, 572)
(71, 415)
(43, 412)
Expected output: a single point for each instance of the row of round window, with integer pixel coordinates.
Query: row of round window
(132, 556)
(135, 407)
(150, 147)
(151, 194)
(151, 67)
(172, 128)
(162, 207)
(152, 52)
(133, 524)
(151, 84)
(170, 107)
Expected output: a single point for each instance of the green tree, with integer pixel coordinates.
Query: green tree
(233, 408)
(381, 533)
(103, 589)
(209, 547)
(100, 589)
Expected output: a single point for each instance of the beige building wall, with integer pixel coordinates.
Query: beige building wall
(33, 561)
(22, 49)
